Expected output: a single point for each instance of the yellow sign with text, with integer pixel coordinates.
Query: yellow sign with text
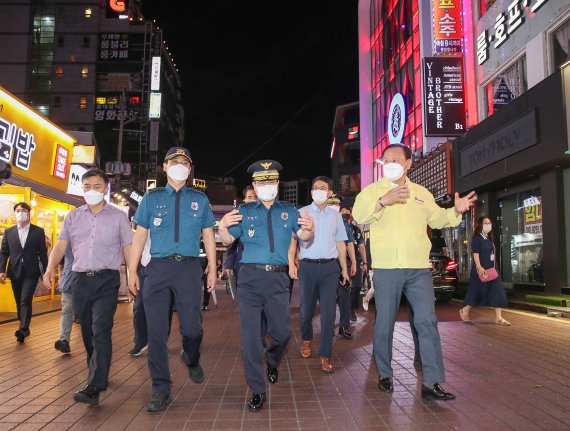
(36, 148)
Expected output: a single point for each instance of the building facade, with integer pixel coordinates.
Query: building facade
(96, 66)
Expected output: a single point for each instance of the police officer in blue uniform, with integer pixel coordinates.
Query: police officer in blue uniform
(176, 216)
(265, 228)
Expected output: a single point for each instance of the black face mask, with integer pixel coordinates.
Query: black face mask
(346, 217)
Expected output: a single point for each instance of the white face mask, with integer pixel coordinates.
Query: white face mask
(267, 193)
(21, 216)
(335, 207)
(178, 173)
(93, 197)
(319, 196)
(487, 228)
(393, 171)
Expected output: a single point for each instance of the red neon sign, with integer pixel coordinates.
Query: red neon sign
(447, 27)
(60, 165)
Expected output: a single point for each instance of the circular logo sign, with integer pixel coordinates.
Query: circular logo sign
(396, 119)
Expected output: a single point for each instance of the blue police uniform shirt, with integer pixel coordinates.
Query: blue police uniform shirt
(348, 228)
(266, 233)
(171, 235)
(328, 230)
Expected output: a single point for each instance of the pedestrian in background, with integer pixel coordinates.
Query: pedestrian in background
(24, 251)
(66, 319)
(100, 236)
(481, 293)
(176, 216)
(265, 228)
(399, 212)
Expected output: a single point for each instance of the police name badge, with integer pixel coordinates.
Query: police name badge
(194, 205)
(251, 232)
(284, 215)
(157, 221)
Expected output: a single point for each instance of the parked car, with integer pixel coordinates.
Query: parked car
(444, 272)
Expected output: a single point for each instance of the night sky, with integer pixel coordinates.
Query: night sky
(261, 74)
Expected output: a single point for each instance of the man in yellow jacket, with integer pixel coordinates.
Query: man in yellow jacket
(398, 212)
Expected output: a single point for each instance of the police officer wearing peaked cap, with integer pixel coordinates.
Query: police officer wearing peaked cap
(265, 228)
(176, 216)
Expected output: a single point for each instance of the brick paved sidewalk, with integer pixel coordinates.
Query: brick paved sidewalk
(505, 378)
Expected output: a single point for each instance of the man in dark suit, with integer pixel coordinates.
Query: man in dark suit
(24, 245)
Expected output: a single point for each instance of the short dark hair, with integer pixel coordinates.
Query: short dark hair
(406, 150)
(95, 172)
(23, 205)
(345, 207)
(324, 179)
(247, 189)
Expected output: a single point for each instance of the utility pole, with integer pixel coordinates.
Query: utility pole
(122, 114)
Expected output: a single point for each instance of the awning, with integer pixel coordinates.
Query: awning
(48, 192)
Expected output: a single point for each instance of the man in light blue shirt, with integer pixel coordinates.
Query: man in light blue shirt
(319, 270)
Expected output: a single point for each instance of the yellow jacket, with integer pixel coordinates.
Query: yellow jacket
(398, 233)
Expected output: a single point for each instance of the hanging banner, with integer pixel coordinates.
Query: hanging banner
(444, 96)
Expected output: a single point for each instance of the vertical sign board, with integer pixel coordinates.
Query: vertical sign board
(36, 148)
(153, 144)
(155, 74)
(444, 96)
(447, 27)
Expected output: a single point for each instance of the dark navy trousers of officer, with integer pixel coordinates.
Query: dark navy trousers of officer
(263, 284)
(175, 220)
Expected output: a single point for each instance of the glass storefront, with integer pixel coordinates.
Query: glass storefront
(521, 237)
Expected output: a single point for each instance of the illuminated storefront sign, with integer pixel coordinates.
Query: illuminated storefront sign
(75, 186)
(37, 149)
(60, 165)
(506, 24)
(114, 46)
(154, 108)
(155, 74)
(444, 96)
(396, 119)
(107, 108)
(447, 27)
(533, 215)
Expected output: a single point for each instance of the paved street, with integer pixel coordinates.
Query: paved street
(505, 378)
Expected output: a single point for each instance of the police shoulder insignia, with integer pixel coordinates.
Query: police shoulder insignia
(251, 232)
(194, 205)
(156, 189)
(284, 215)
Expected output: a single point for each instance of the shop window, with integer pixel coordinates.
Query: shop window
(83, 102)
(84, 71)
(88, 13)
(561, 45)
(86, 42)
(521, 238)
(59, 72)
(506, 87)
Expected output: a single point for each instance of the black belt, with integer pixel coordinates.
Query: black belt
(319, 260)
(271, 268)
(178, 258)
(94, 273)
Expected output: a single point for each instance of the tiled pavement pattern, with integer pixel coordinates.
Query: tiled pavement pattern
(515, 378)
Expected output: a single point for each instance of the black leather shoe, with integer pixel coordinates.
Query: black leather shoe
(63, 346)
(196, 373)
(25, 332)
(385, 384)
(158, 402)
(19, 336)
(256, 402)
(345, 332)
(352, 316)
(437, 392)
(88, 395)
(272, 375)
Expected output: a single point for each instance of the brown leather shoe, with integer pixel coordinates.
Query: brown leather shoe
(306, 349)
(326, 366)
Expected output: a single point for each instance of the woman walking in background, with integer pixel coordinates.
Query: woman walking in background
(485, 286)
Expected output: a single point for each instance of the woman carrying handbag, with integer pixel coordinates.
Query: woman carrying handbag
(485, 286)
